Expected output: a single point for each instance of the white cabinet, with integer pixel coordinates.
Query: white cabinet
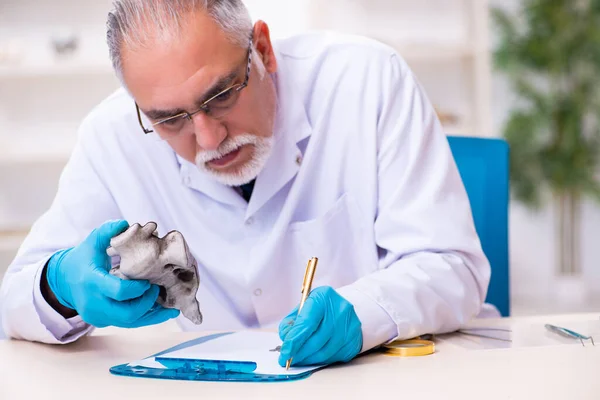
(444, 41)
(44, 96)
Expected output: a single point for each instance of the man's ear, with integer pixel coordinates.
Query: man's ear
(264, 47)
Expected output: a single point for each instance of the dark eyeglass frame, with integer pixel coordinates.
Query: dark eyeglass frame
(205, 105)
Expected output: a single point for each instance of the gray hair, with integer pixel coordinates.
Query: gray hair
(135, 22)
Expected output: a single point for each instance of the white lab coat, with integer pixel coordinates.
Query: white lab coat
(361, 177)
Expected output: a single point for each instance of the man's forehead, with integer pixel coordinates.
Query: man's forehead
(164, 75)
(180, 59)
(200, 50)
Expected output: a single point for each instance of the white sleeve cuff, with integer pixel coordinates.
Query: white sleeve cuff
(377, 326)
(63, 330)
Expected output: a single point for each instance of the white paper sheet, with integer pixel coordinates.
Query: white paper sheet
(258, 347)
(149, 362)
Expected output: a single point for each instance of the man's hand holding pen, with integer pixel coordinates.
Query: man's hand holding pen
(327, 330)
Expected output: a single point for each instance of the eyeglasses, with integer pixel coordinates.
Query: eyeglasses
(216, 107)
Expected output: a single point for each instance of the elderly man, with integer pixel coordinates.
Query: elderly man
(262, 154)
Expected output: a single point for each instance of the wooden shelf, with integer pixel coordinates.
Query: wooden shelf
(55, 69)
(35, 56)
(34, 158)
(459, 130)
(432, 51)
(11, 241)
(24, 153)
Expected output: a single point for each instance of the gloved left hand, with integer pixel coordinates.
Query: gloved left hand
(80, 280)
(326, 331)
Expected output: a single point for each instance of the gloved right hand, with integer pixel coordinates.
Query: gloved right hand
(80, 280)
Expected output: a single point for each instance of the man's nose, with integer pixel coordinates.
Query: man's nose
(209, 132)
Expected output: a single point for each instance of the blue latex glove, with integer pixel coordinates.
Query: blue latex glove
(326, 331)
(79, 278)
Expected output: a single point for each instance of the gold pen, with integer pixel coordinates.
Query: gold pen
(306, 288)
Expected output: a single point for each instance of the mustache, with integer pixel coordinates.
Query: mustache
(228, 146)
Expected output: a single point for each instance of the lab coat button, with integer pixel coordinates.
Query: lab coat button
(250, 221)
(257, 292)
(299, 160)
(187, 180)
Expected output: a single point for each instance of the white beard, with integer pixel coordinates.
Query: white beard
(247, 172)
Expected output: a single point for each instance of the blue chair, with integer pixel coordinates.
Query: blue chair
(484, 167)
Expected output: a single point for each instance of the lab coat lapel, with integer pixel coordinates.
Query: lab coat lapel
(291, 127)
(280, 168)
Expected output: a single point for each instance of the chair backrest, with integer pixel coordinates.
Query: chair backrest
(483, 164)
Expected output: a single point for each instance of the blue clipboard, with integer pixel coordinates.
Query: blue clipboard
(202, 370)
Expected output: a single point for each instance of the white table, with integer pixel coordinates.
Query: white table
(80, 371)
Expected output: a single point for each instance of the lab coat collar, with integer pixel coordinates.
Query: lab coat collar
(291, 128)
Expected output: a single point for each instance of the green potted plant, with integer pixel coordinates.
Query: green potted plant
(550, 52)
